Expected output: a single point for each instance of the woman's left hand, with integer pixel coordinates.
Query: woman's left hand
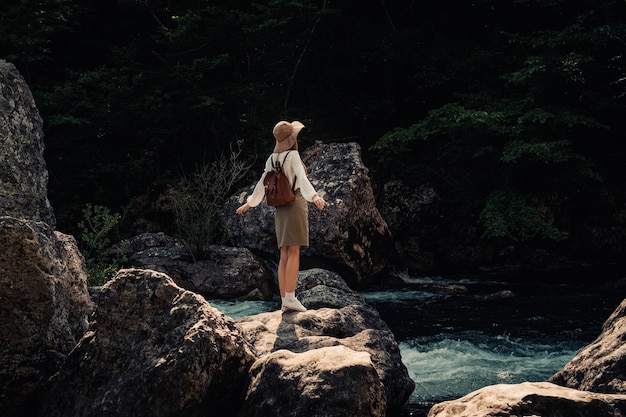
(242, 209)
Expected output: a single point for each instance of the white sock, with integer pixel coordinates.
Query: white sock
(291, 303)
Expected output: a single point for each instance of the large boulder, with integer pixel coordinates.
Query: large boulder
(44, 308)
(537, 399)
(23, 173)
(412, 213)
(226, 273)
(349, 235)
(154, 350)
(337, 316)
(601, 365)
(326, 382)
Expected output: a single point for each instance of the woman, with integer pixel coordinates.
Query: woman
(291, 221)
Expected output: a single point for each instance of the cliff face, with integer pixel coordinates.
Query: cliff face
(23, 173)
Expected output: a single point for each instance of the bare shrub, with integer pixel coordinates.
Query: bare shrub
(200, 197)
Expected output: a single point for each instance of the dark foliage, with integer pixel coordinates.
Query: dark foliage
(513, 110)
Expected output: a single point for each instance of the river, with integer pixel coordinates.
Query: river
(459, 335)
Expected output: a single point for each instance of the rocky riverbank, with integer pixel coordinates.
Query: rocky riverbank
(153, 348)
(149, 344)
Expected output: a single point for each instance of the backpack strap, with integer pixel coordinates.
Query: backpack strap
(280, 167)
(285, 158)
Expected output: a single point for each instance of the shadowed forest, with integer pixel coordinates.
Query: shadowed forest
(513, 111)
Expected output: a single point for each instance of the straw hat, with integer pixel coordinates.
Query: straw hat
(286, 135)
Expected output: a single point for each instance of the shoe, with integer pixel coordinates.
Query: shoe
(293, 304)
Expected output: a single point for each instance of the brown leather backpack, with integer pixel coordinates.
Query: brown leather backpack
(278, 191)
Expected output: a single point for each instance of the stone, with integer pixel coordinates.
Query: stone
(44, 307)
(227, 273)
(23, 173)
(154, 350)
(408, 209)
(337, 316)
(601, 365)
(531, 399)
(412, 213)
(327, 382)
(348, 236)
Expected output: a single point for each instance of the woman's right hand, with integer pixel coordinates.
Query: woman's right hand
(319, 202)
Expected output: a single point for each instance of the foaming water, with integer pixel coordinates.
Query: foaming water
(450, 366)
(492, 333)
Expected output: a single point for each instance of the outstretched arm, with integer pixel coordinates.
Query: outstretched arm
(258, 193)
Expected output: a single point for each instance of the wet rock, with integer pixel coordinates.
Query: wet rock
(349, 235)
(537, 399)
(226, 273)
(23, 173)
(326, 382)
(44, 306)
(601, 365)
(154, 350)
(404, 205)
(498, 295)
(337, 316)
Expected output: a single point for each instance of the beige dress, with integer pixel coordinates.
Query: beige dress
(292, 223)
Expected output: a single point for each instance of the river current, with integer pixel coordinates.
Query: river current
(459, 335)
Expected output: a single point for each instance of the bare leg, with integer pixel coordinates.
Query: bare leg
(288, 268)
(282, 270)
(292, 268)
